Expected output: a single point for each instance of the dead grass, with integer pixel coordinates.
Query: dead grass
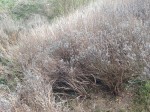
(100, 46)
(36, 96)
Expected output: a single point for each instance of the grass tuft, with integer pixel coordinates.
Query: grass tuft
(142, 98)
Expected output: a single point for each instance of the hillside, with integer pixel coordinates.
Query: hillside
(75, 56)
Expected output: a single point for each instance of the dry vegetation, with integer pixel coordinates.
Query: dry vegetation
(99, 49)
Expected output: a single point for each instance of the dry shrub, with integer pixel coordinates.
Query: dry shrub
(107, 45)
(98, 46)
